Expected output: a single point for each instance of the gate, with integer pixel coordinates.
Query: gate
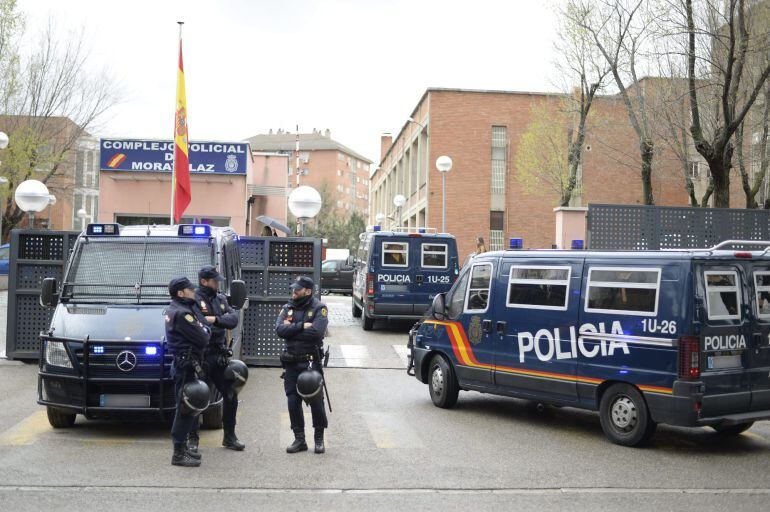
(645, 228)
(35, 254)
(268, 266)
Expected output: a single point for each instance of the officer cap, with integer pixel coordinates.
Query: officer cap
(209, 272)
(178, 284)
(302, 282)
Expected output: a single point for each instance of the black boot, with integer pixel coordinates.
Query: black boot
(319, 441)
(299, 444)
(192, 445)
(231, 442)
(182, 458)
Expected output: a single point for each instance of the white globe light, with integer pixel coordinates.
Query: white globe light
(305, 202)
(399, 201)
(379, 218)
(82, 213)
(443, 163)
(32, 196)
(3, 140)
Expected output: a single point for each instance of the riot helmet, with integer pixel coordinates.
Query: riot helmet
(195, 397)
(237, 373)
(309, 385)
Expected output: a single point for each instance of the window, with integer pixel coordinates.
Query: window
(496, 221)
(434, 255)
(539, 287)
(395, 254)
(495, 240)
(722, 295)
(478, 291)
(499, 155)
(329, 266)
(456, 297)
(693, 170)
(623, 291)
(762, 289)
(5, 253)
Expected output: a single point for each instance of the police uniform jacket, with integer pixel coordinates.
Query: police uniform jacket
(185, 327)
(298, 339)
(212, 303)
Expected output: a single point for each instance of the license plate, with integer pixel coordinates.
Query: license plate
(722, 362)
(124, 400)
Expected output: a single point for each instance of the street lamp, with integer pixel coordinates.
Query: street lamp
(379, 218)
(3, 140)
(444, 165)
(82, 216)
(304, 203)
(32, 196)
(399, 201)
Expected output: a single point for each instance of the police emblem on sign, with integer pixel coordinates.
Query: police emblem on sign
(231, 163)
(474, 330)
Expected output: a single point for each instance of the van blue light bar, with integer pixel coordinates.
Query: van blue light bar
(377, 228)
(577, 244)
(151, 350)
(103, 229)
(516, 243)
(194, 230)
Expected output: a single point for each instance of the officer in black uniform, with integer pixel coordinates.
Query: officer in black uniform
(219, 317)
(187, 336)
(302, 324)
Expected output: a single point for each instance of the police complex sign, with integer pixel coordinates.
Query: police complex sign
(134, 155)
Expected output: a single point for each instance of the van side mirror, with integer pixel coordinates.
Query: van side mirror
(439, 306)
(48, 293)
(237, 296)
(350, 261)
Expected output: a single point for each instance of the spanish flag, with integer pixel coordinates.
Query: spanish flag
(180, 182)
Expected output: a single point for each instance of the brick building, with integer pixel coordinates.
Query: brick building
(324, 163)
(480, 131)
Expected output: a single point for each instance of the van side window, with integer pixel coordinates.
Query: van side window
(478, 291)
(539, 287)
(762, 289)
(624, 291)
(456, 297)
(722, 295)
(395, 254)
(329, 266)
(434, 255)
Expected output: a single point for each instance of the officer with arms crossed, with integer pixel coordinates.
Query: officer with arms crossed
(302, 324)
(217, 355)
(186, 336)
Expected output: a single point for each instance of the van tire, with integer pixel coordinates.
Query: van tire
(211, 418)
(624, 416)
(59, 418)
(442, 383)
(368, 322)
(356, 309)
(732, 430)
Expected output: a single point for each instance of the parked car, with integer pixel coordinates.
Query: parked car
(5, 251)
(336, 277)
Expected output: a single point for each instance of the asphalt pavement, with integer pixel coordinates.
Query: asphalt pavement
(388, 447)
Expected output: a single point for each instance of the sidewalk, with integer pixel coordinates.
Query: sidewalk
(3, 320)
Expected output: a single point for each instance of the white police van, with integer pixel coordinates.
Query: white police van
(679, 337)
(104, 354)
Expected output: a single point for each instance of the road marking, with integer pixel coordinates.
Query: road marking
(26, 431)
(389, 430)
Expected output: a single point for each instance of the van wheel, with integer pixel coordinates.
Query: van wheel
(356, 309)
(325, 292)
(732, 430)
(212, 417)
(59, 418)
(368, 322)
(624, 416)
(442, 383)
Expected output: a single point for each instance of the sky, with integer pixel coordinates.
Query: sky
(357, 68)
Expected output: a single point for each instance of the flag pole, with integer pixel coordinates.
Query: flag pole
(173, 140)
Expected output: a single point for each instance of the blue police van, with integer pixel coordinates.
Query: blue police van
(678, 337)
(397, 273)
(104, 354)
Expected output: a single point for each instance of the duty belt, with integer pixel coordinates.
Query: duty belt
(297, 358)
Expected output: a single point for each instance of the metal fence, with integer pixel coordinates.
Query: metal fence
(35, 255)
(269, 266)
(638, 228)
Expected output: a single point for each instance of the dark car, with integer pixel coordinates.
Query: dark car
(336, 277)
(4, 256)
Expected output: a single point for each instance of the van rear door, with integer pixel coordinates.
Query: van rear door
(725, 321)
(758, 273)
(435, 270)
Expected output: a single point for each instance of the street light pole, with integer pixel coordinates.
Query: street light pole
(444, 165)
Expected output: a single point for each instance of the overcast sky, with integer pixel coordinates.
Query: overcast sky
(357, 68)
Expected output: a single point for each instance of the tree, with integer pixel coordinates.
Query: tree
(758, 148)
(50, 99)
(721, 53)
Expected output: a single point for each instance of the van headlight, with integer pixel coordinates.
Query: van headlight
(56, 354)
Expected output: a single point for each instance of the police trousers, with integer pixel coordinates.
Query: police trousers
(215, 376)
(183, 423)
(296, 416)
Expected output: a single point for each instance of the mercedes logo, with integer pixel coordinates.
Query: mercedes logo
(126, 361)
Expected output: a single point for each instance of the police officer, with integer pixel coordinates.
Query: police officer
(219, 317)
(187, 336)
(302, 324)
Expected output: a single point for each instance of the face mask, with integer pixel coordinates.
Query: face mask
(301, 301)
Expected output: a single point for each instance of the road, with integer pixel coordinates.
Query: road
(388, 448)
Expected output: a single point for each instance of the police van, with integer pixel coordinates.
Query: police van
(104, 354)
(397, 273)
(678, 337)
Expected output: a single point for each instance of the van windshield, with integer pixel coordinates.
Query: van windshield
(133, 270)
